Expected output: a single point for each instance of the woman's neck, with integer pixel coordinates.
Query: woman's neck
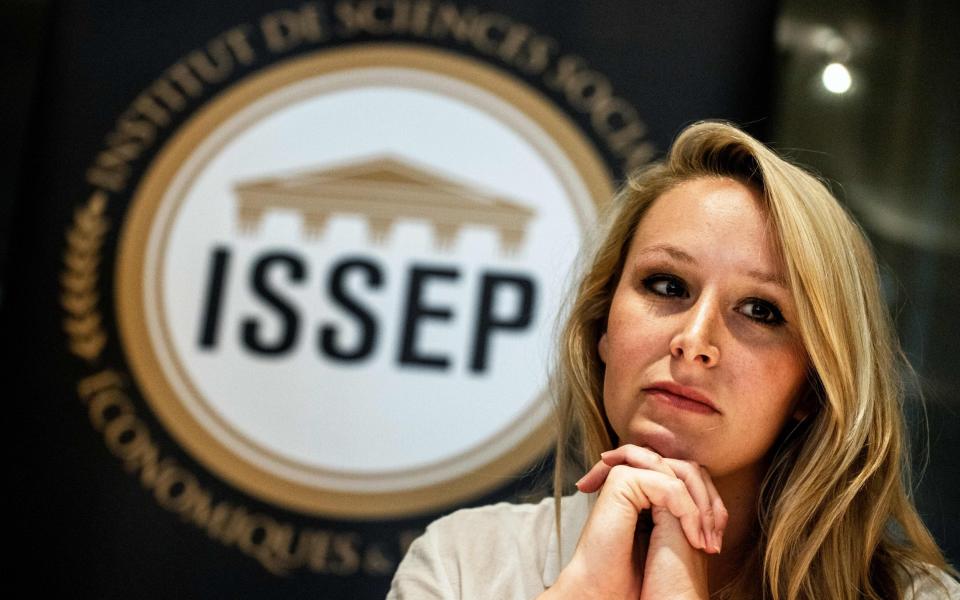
(739, 492)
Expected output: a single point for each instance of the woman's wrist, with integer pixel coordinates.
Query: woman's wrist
(578, 581)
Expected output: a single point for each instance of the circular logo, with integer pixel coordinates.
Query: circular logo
(337, 283)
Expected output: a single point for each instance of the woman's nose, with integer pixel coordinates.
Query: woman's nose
(696, 339)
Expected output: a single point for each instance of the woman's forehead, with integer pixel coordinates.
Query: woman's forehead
(718, 221)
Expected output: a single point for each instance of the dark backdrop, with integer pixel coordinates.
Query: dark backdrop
(88, 527)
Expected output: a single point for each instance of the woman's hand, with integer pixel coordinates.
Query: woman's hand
(613, 561)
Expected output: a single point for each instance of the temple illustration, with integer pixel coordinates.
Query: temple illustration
(383, 190)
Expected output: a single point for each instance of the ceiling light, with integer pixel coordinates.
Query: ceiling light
(836, 78)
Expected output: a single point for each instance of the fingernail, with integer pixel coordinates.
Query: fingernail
(719, 535)
(703, 541)
(579, 481)
(604, 454)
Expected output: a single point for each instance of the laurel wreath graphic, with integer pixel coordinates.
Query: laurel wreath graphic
(80, 298)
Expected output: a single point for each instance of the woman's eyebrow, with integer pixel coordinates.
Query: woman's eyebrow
(776, 280)
(682, 256)
(672, 251)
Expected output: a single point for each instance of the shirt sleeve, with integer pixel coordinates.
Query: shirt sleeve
(933, 586)
(421, 574)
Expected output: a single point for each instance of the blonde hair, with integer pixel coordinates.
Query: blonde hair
(834, 516)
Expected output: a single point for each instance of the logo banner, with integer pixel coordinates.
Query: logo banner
(293, 289)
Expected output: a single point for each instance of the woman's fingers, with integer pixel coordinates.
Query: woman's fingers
(594, 478)
(696, 478)
(644, 488)
(637, 456)
(720, 513)
(699, 486)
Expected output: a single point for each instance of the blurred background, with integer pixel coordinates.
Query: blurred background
(866, 94)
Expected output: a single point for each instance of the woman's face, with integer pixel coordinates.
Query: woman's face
(703, 361)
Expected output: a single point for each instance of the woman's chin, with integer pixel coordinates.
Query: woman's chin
(661, 440)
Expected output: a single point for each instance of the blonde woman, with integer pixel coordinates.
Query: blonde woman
(728, 394)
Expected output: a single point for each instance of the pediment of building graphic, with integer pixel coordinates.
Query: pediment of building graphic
(383, 190)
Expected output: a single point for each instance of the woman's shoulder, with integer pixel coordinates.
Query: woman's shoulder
(499, 550)
(931, 583)
(501, 520)
(505, 525)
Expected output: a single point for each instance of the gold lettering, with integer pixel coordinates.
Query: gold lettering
(318, 544)
(173, 487)
(278, 547)
(254, 535)
(587, 88)
(255, 532)
(130, 138)
(420, 17)
(220, 519)
(109, 171)
(613, 118)
(234, 528)
(197, 506)
(279, 538)
(124, 152)
(627, 135)
(375, 16)
(340, 553)
(98, 382)
(348, 23)
(284, 30)
(213, 65)
(146, 458)
(129, 127)
(103, 402)
(253, 541)
(121, 433)
(488, 30)
(617, 117)
(400, 21)
(113, 181)
(514, 40)
(346, 551)
(568, 66)
(376, 562)
(136, 448)
(449, 21)
(238, 41)
(164, 91)
(539, 53)
(152, 110)
(136, 128)
(186, 79)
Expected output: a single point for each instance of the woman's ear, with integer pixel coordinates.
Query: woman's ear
(602, 348)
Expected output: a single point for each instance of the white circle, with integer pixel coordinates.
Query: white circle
(369, 425)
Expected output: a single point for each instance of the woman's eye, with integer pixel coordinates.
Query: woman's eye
(666, 285)
(762, 311)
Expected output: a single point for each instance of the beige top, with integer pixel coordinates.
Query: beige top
(511, 551)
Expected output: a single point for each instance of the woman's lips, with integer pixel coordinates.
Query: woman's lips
(681, 397)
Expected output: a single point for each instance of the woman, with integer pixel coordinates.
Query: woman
(728, 381)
